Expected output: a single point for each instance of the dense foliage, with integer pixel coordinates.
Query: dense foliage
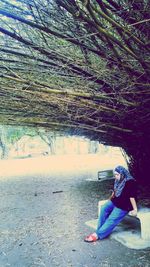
(80, 67)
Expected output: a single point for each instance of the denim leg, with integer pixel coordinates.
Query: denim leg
(112, 220)
(105, 210)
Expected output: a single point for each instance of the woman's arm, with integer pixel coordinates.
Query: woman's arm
(112, 195)
(134, 205)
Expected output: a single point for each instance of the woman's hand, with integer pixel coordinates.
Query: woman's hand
(133, 213)
(134, 206)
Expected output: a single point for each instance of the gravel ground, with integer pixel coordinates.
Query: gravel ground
(42, 224)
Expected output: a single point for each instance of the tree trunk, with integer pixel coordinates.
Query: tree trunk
(3, 143)
(139, 160)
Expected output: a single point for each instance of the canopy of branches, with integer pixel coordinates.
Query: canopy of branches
(78, 66)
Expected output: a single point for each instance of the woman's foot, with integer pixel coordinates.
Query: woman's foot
(91, 238)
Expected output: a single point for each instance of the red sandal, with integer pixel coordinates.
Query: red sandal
(91, 238)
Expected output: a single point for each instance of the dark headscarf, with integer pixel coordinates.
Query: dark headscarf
(120, 184)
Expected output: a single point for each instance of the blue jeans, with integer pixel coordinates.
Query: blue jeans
(109, 217)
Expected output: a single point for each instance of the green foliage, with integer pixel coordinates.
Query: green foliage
(13, 134)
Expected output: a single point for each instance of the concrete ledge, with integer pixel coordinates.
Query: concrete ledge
(143, 215)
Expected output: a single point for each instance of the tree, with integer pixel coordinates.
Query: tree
(10, 135)
(80, 67)
(49, 138)
(3, 143)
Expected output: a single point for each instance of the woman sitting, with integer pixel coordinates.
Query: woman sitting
(122, 200)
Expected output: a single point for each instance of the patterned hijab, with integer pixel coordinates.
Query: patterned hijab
(120, 184)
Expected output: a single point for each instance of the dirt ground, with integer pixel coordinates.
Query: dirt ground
(42, 223)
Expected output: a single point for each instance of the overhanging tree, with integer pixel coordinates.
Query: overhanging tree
(81, 67)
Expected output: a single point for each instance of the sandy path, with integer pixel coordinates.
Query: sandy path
(89, 164)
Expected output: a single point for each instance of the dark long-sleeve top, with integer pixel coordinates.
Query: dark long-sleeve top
(129, 191)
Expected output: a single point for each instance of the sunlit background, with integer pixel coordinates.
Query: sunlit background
(27, 151)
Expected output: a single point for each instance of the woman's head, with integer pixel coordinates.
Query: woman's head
(121, 173)
(121, 177)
